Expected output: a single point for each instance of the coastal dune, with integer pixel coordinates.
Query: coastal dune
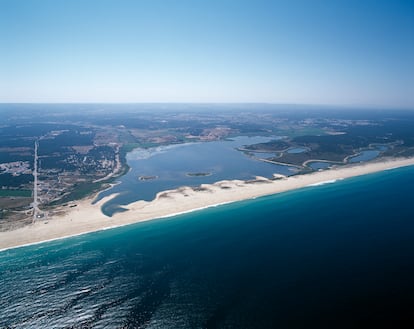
(87, 217)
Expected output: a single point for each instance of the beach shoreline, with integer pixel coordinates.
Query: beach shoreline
(87, 217)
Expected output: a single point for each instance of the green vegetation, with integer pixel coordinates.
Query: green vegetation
(80, 190)
(128, 147)
(272, 146)
(15, 193)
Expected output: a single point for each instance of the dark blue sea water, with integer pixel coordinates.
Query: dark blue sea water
(333, 256)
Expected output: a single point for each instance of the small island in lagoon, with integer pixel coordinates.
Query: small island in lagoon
(146, 178)
(198, 174)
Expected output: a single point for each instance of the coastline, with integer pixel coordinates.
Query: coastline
(87, 217)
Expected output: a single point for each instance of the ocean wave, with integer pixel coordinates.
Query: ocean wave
(325, 182)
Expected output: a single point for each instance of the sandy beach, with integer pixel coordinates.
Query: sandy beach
(87, 217)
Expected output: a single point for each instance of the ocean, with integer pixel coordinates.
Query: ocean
(338, 255)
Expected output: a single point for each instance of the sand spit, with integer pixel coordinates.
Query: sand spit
(87, 217)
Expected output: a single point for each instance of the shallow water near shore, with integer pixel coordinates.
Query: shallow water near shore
(332, 256)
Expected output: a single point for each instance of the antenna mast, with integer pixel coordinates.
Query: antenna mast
(36, 210)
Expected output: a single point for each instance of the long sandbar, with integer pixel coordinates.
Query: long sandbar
(87, 217)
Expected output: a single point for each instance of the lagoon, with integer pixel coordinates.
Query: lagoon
(171, 165)
(297, 150)
(316, 165)
(366, 155)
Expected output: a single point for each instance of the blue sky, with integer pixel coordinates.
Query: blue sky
(349, 52)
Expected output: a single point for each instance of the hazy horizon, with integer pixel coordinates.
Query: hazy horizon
(275, 106)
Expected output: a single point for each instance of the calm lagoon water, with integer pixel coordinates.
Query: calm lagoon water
(316, 165)
(262, 155)
(333, 256)
(297, 150)
(172, 164)
(366, 155)
(363, 156)
(381, 148)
